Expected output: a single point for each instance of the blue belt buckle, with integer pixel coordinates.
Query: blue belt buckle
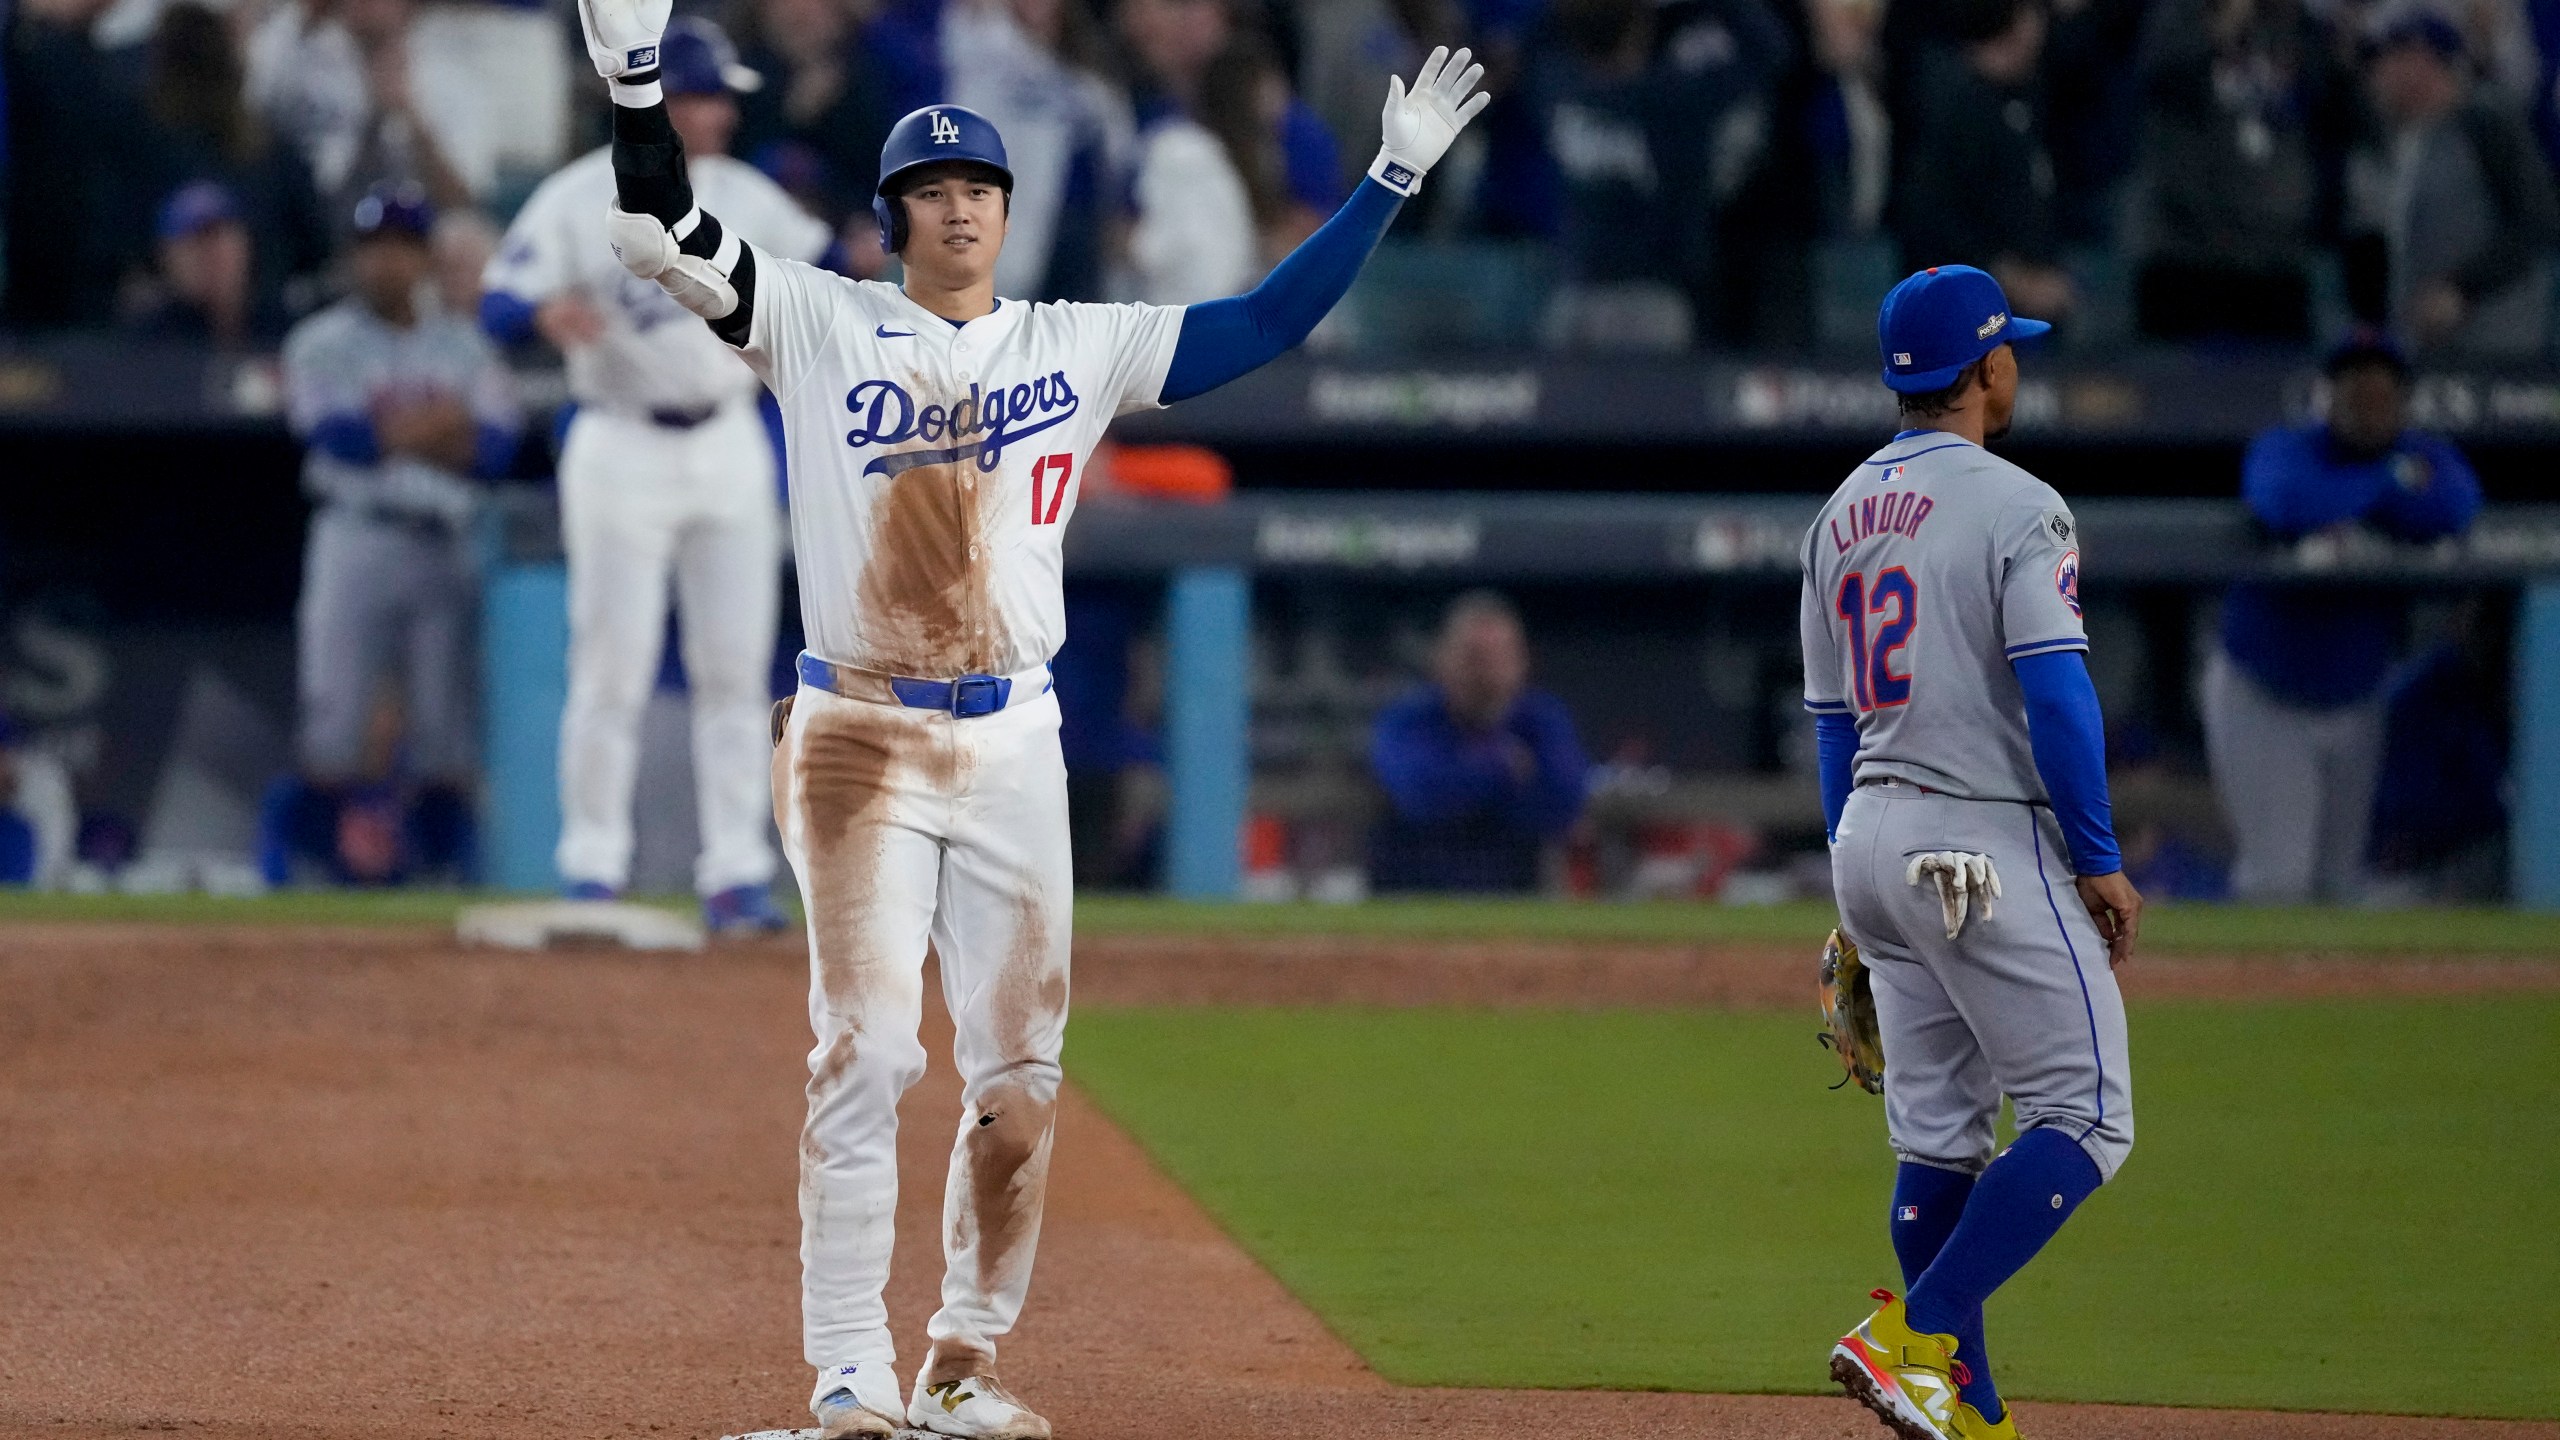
(975, 695)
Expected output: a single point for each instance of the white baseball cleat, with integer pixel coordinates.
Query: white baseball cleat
(975, 1408)
(857, 1402)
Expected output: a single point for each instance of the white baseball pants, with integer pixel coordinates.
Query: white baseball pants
(639, 501)
(908, 826)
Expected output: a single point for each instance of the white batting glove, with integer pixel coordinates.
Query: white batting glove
(1420, 123)
(1962, 878)
(650, 250)
(622, 35)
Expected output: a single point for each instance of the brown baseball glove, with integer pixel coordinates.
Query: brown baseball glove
(1849, 1015)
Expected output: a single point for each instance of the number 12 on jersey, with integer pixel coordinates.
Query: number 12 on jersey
(1058, 470)
(1897, 600)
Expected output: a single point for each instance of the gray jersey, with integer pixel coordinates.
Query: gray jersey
(341, 362)
(1931, 569)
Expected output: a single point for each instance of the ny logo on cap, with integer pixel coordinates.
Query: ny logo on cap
(946, 131)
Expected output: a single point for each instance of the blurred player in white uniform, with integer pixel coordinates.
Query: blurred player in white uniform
(667, 470)
(937, 435)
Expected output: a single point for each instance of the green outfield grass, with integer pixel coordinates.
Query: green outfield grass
(2201, 928)
(2341, 1205)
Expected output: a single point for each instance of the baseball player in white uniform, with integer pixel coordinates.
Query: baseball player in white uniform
(667, 470)
(937, 435)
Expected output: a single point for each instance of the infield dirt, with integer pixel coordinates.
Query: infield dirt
(323, 1183)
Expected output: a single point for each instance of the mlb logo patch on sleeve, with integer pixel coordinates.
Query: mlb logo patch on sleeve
(1906, 1212)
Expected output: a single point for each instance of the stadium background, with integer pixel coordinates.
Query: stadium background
(1560, 1165)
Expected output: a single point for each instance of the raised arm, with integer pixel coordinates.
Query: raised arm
(658, 232)
(1223, 339)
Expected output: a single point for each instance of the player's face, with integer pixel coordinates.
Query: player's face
(955, 228)
(1482, 665)
(704, 123)
(2366, 407)
(1999, 391)
(388, 269)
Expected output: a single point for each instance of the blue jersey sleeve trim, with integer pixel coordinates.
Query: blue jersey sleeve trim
(2068, 735)
(507, 319)
(347, 437)
(1827, 707)
(2039, 647)
(1224, 339)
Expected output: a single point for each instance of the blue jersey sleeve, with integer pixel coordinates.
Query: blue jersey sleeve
(507, 319)
(1835, 750)
(2291, 489)
(1552, 801)
(2434, 492)
(1223, 339)
(2069, 737)
(348, 437)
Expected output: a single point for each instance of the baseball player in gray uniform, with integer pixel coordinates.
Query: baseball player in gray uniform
(402, 407)
(1963, 762)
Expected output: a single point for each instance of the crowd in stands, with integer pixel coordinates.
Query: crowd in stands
(1688, 173)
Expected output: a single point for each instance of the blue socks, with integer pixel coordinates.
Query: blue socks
(1927, 1203)
(2019, 1204)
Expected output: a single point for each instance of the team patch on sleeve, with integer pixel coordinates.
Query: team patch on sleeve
(2058, 524)
(2066, 578)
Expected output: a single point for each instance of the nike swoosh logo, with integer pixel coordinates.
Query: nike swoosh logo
(885, 333)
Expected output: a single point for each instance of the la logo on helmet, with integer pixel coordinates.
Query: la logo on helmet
(946, 131)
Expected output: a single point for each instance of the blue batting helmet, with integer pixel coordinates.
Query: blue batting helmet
(394, 209)
(934, 135)
(696, 58)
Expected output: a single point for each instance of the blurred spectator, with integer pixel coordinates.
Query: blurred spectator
(1482, 772)
(206, 131)
(336, 76)
(462, 244)
(400, 405)
(1035, 70)
(76, 142)
(2245, 109)
(1977, 183)
(1216, 113)
(1647, 144)
(819, 120)
(204, 292)
(1827, 176)
(2456, 204)
(1109, 693)
(2093, 110)
(2292, 698)
(1348, 48)
(1720, 64)
(1192, 236)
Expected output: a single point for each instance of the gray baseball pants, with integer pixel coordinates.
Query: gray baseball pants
(2022, 1004)
(379, 595)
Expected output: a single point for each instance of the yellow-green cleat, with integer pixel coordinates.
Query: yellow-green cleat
(1909, 1379)
(1971, 1426)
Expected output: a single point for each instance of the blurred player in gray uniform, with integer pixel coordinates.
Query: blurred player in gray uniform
(1963, 761)
(402, 408)
(667, 470)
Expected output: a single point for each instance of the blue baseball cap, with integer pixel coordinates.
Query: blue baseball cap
(194, 208)
(1940, 320)
(696, 58)
(394, 209)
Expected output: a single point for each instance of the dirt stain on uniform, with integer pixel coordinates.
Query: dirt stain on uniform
(928, 592)
(1006, 1144)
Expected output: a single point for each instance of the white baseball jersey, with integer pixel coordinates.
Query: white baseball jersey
(654, 353)
(935, 466)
